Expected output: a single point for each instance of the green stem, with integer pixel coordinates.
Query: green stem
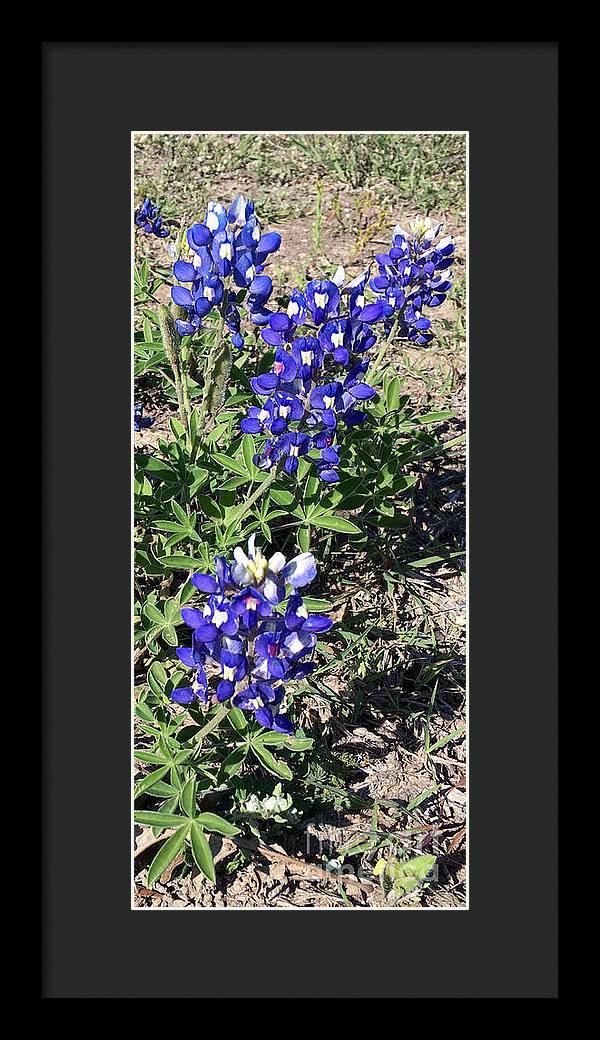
(214, 722)
(378, 359)
(170, 339)
(262, 487)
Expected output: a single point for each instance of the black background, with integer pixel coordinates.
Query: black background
(505, 96)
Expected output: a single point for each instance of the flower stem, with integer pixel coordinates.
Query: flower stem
(214, 722)
(378, 359)
(262, 487)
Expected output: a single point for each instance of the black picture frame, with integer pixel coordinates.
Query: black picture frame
(504, 94)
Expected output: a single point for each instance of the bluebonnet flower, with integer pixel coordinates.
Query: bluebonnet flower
(258, 420)
(297, 307)
(283, 370)
(335, 338)
(240, 211)
(317, 336)
(266, 245)
(325, 401)
(259, 292)
(234, 668)
(293, 445)
(234, 324)
(308, 355)
(410, 278)
(216, 216)
(227, 249)
(239, 631)
(269, 455)
(280, 329)
(147, 217)
(287, 408)
(141, 421)
(323, 299)
(291, 387)
(195, 658)
(327, 463)
(297, 616)
(251, 606)
(261, 698)
(271, 576)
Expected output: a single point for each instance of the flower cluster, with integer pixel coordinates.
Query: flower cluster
(141, 421)
(308, 401)
(411, 276)
(255, 628)
(148, 218)
(227, 250)
(316, 382)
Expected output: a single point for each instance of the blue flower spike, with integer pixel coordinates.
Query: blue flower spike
(318, 382)
(256, 648)
(227, 252)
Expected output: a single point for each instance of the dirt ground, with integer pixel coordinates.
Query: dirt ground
(402, 731)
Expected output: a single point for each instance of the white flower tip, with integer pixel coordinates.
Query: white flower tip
(240, 556)
(277, 562)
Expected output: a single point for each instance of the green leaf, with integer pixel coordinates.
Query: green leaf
(150, 779)
(171, 611)
(163, 790)
(143, 711)
(211, 822)
(233, 763)
(179, 563)
(237, 719)
(273, 765)
(167, 853)
(427, 561)
(158, 819)
(318, 605)
(228, 463)
(153, 613)
(170, 636)
(299, 743)
(331, 522)
(392, 394)
(209, 507)
(446, 740)
(422, 797)
(201, 852)
(406, 876)
(281, 498)
(434, 417)
(248, 451)
(157, 671)
(303, 538)
(149, 756)
(170, 526)
(188, 797)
